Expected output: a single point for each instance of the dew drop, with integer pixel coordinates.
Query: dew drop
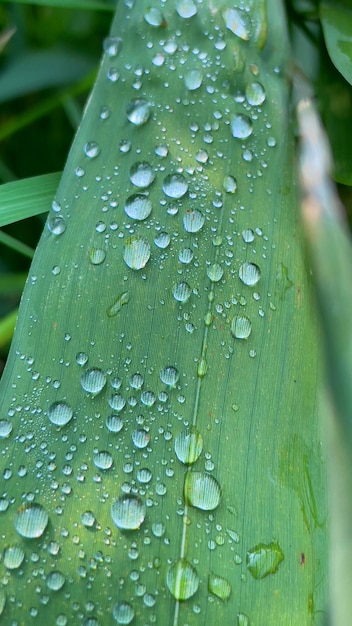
(189, 445)
(193, 80)
(138, 207)
(55, 580)
(123, 613)
(144, 475)
(186, 8)
(248, 235)
(81, 358)
(148, 398)
(142, 174)
(175, 186)
(185, 255)
(116, 307)
(88, 519)
(230, 184)
(215, 272)
(56, 224)
(202, 156)
(97, 256)
(13, 557)
(182, 580)
(219, 586)
(31, 520)
(136, 381)
(249, 273)
(103, 460)
(237, 21)
(138, 111)
(91, 149)
(241, 327)
(136, 252)
(60, 413)
(193, 221)
(264, 559)
(162, 240)
(181, 292)
(241, 126)
(5, 429)
(202, 491)
(169, 376)
(117, 402)
(112, 46)
(140, 438)
(154, 17)
(128, 512)
(114, 423)
(255, 94)
(93, 381)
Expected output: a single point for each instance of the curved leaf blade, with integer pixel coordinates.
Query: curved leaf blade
(336, 19)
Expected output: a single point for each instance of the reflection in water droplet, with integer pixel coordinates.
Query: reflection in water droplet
(264, 559)
(55, 580)
(5, 429)
(154, 17)
(56, 224)
(116, 307)
(148, 398)
(13, 557)
(188, 445)
(60, 413)
(31, 520)
(140, 438)
(236, 20)
(202, 491)
(138, 207)
(193, 221)
(123, 613)
(93, 380)
(112, 45)
(142, 174)
(136, 252)
(138, 111)
(97, 256)
(117, 402)
(255, 94)
(219, 586)
(144, 475)
(136, 381)
(169, 376)
(230, 184)
(186, 8)
(81, 358)
(215, 272)
(181, 292)
(249, 273)
(185, 255)
(193, 80)
(91, 149)
(241, 327)
(128, 512)
(114, 423)
(241, 126)
(175, 186)
(182, 580)
(162, 240)
(103, 460)
(248, 235)
(88, 519)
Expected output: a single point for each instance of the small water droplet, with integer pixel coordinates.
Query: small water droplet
(93, 381)
(60, 413)
(154, 17)
(88, 519)
(241, 327)
(193, 221)
(128, 512)
(186, 8)
(31, 520)
(55, 580)
(175, 186)
(193, 79)
(138, 207)
(81, 358)
(56, 224)
(181, 292)
(5, 429)
(162, 240)
(117, 402)
(182, 580)
(142, 174)
(148, 397)
(112, 46)
(241, 126)
(140, 438)
(255, 94)
(264, 559)
(136, 252)
(219, 586)
(138, 111)
(13, 557)
(188, 445)
(103, 460)
(136, 381)
(202, 491)
(249, 273)
(185, 255)
(144, 475)
(91, 149)
(97, 256)
(169, 376)
(248, 235)
(123, 612)
(114, 423)
(215, 272)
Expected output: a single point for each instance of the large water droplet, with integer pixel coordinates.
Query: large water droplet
(193, 79)
(182, 580)
(181, 292)
(219, 586)
(31, 520)
(56, 224)
(230, 184)
(114, 423)
(249, 273)
(91, 149)
(241, 126)
(55, 580)
(185, 255)
(140, 438)
(123, 613)
(255, 94)
(136, 252)
(138, 207)
(142, 174)
(264, 559)
(13, 557)
(154, 17)
(112, 46)
(202, 491)
(128, 512)
(117, 402)
(189, 445)
(102, 460)
(97, 256)
(186, 8)
(237, 21)
(175, 186)
(138, 111)
(169, 375)
(5, 429)
(215, 272)
(241, 327)
(60, 413)
(93, 380)
(193, 221)
(248, 235)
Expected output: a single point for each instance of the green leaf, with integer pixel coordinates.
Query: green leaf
(24, 198)
(336, 19)
(93, 5)
(163, 458)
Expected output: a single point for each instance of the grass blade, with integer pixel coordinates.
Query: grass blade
(160, 392)
(28, 197)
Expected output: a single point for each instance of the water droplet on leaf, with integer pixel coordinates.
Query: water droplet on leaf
(138, 207)
(249, 273)
(93, 380)
(186, 8)
(193, 80)
(169, 376)
(60, 413)
(219, 586)
(136, 252)
(255, 94)
(182, 580)
(142, 174)
(264, 559)
(188, 446)
(128, 512)
(123, 613)
(181, 292)
(202, 491)
(241, 126)
(91, 149)
(31, 520)
(175, 186)
(138, 111)
(193, 221)
(241, 327)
